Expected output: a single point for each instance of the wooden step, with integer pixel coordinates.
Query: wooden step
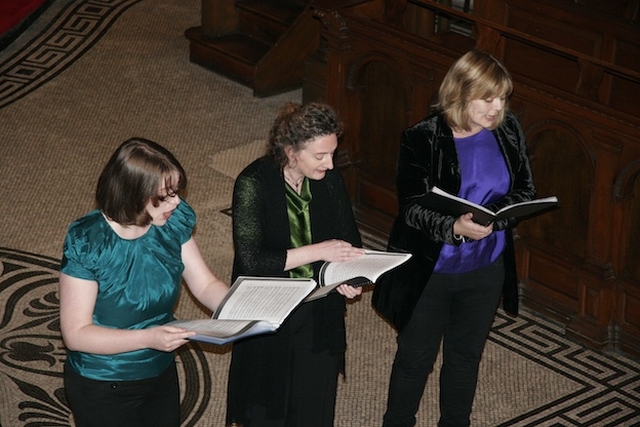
(267, 20)
(266, 50)
(233, 55)
(283, 11)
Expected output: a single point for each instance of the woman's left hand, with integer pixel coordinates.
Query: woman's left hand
(464, 226)
(349, 291)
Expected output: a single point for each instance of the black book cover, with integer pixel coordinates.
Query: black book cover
(448, 204)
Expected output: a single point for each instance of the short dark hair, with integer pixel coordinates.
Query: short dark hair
(132, 177)
(296, 125)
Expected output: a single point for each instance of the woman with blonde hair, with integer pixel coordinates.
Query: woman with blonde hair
(471, 146)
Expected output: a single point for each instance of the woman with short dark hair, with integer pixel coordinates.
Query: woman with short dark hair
(120, 278)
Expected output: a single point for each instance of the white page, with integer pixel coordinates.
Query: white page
(552, 200)
(270, 299)
(221, 331)
(215, 327)
(371, 266)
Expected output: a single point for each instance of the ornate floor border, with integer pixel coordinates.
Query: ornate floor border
(73, 31)
(609, 392)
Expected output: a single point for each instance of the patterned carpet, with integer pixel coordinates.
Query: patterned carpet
(72, 32)
(90, 74)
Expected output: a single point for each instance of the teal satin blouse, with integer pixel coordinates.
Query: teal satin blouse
(138, 286)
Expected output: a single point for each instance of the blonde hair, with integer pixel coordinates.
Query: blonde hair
(475, 75)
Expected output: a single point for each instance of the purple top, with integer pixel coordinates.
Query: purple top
(484, 179)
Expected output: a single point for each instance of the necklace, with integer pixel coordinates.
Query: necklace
(295, 185)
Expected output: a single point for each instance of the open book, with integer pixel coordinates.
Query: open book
(357, 272)
(259, 305)
(254, 305)
(448, 204)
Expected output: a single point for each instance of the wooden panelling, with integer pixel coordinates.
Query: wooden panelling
(628, 52)
(630, 307)
(525, 60)
(625, 95)
(554, 144)
(383, 104)
(627, 329)
(546, 270)
(373, 195)
(573, 36)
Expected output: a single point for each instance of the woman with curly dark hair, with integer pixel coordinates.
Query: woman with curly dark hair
(291, 212)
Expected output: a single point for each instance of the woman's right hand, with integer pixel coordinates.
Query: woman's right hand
(335, 250)
(167, 338)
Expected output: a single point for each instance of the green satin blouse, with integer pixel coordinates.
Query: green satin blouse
(138, 286)
(300, 223)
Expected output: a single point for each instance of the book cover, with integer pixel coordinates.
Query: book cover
(449, 204)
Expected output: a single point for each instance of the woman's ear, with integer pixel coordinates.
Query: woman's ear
(291, 156)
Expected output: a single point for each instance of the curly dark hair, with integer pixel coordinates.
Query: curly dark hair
(297, 125)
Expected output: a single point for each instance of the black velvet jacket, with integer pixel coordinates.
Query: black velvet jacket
(261, 238)
(428, 157)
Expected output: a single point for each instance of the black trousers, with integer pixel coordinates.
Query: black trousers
(456, 310)
(153, 402)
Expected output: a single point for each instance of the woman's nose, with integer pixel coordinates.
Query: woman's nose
(329, 162)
